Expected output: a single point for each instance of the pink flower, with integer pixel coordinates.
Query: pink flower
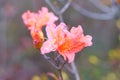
(38, 38)
(65, 42)
(35, 22)
(29, 19)
(38, 20)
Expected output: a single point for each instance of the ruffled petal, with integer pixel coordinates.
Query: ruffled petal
(69, 56)
(76, 32)
(50, 29)
(48, 46)
(87, 40)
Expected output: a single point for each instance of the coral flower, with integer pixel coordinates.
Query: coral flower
(67, 43)
(35, 22)
(38, 38)
(38, 20)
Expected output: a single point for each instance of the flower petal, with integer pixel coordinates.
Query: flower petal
(87, 40)
(50, 29)
(76, 32)
(69, 56)
(48, 46)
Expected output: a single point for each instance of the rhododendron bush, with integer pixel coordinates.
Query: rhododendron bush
(58, 40)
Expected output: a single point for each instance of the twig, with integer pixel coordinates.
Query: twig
(52, 7)
(101, 6)
(65, 7)
(75, 71)
(58, 56)
(63, 64)
(99, 16)
(59, 12)
(60, 74)
(69, 69)
(61, 18)
(58, 67)
(50, 61)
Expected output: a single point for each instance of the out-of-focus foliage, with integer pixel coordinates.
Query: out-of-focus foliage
(65, 76)
(114, 54)
(118, 23)
(19, 60)
(36, 77)
(93, 60)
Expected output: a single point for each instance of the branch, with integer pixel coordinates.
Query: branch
(61, 18)
(65, 7)
(99, 16)
(52, 7)
(60, 75)
(75, 72)
(101, 6)
(57, 12)
(69, 69)
(50, 61)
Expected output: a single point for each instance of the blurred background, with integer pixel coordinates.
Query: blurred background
(19, 60)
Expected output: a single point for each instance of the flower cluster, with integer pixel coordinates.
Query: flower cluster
(35, 22)
(67, 43)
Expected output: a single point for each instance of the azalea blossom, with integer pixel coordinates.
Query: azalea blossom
(39, 19)
(38, 38)
(67, 43)
(35, 22)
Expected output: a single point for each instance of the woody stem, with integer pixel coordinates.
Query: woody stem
(75, 72)
(60, 74)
